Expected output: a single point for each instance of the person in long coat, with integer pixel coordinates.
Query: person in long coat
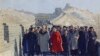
(87, 38)
(65, 42)
(30, 42)
(82, 41)
(44, 40)
(92, 42)
(37, 48)
(56, 41)
(25, 43)
(73, 36)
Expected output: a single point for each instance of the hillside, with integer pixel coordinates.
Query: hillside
(75, 16)
(11, 16)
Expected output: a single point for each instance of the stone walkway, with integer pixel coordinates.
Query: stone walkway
(11, 51)
(7, 53)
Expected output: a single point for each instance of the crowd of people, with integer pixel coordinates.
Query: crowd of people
(66, 40)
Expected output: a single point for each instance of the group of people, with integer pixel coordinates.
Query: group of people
(66, 40)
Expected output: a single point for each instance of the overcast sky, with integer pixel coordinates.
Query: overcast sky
(48, 6)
